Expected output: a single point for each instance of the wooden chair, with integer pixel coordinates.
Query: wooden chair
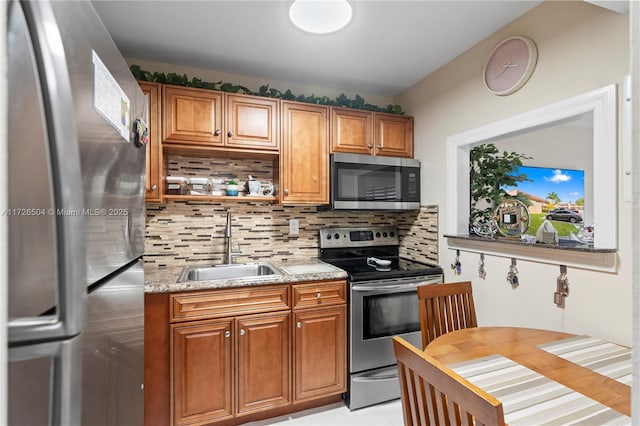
(433, 394)
(445, 308)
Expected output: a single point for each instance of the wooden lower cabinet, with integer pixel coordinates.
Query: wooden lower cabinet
(213, 368)
(263, 362)
(320, 348)
(202, 372)
(205, 388)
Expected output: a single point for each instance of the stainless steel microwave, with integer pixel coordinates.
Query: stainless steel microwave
(363, 182)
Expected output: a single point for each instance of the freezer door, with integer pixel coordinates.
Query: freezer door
(44, 384)
(46, 248)
(113, 352)
(113, 168)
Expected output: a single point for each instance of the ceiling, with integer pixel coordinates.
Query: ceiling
(389, 45)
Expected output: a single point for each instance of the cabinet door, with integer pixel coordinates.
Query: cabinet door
(202, 372)
(393, 135)
(351, 131)
(192, 115)
(154, 152)
(304, 160)
(263, 362)
(320, 366)
(252, 122)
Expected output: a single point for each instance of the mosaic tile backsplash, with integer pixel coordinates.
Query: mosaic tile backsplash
(192, 232)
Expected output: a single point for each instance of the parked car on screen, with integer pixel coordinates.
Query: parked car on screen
(565, 215)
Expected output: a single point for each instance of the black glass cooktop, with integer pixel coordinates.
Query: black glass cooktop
(359, 269)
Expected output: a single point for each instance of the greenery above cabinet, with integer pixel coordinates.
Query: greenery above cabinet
(264, 91)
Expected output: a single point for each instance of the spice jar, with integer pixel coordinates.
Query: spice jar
(199, 186)
(177, 185)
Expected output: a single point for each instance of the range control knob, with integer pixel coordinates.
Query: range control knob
(384, 234)
(336, 236)
(328, 236)
(392, 234)
(377, 235)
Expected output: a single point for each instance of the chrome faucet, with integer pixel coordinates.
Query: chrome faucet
(227, 235)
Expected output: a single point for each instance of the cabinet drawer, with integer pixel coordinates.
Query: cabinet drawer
(319, 294)
(228, 302)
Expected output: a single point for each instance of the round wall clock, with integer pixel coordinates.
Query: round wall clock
(510, 65)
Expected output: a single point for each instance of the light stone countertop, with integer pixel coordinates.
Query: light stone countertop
(163, 279)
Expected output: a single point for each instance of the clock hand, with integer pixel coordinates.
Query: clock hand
(500, 73)
(506, 66)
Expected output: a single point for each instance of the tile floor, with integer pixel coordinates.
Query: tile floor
(385, 414)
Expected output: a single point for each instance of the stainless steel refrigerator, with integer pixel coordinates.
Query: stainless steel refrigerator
(76, 221)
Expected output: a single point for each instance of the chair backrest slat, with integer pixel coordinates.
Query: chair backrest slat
(444, 308)
(434, 395)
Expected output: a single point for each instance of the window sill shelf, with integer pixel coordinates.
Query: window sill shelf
(567, 253)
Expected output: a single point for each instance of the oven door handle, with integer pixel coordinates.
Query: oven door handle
(377, 378)
(365, 287)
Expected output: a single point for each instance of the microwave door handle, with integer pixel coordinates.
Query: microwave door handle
(67, 182)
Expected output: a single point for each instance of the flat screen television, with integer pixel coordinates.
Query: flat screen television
(553, 193)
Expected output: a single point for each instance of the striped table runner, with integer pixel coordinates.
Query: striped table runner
(605, 358)
(528, 398)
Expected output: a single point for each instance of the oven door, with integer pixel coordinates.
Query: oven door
(380, 310)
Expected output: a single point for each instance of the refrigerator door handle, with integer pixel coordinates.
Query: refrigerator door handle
(66, 181)
(66, 377)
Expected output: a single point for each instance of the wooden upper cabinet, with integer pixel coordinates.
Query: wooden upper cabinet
(192, 115)
(154, 152)
(393, 135)
(252, 122)
(351, 131)
(320, 367)
(201, 117)
(304, 158)
(202, 379)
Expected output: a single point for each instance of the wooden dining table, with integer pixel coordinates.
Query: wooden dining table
(526, 347)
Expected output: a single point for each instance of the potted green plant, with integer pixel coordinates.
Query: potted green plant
(232, 187)
(489, 171)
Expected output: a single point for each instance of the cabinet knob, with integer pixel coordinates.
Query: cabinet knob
(242, 331)
(379, 146)
(370, 145)
(217, 132)
(230, 133)
(299, 324)
(154, 187)
(286, 191)
(227, 333)
(318, 295)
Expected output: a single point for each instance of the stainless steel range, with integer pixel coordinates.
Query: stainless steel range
(382, 303)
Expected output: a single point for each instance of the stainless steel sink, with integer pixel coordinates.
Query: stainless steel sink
(226, 272)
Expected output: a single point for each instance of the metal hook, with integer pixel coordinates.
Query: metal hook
(481, 272)
(512, 275)
(562, 290)
(456, 265)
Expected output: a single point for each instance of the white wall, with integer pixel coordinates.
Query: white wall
(253, 83)
(581, 47)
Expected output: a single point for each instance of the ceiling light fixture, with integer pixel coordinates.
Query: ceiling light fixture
(320, 16)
